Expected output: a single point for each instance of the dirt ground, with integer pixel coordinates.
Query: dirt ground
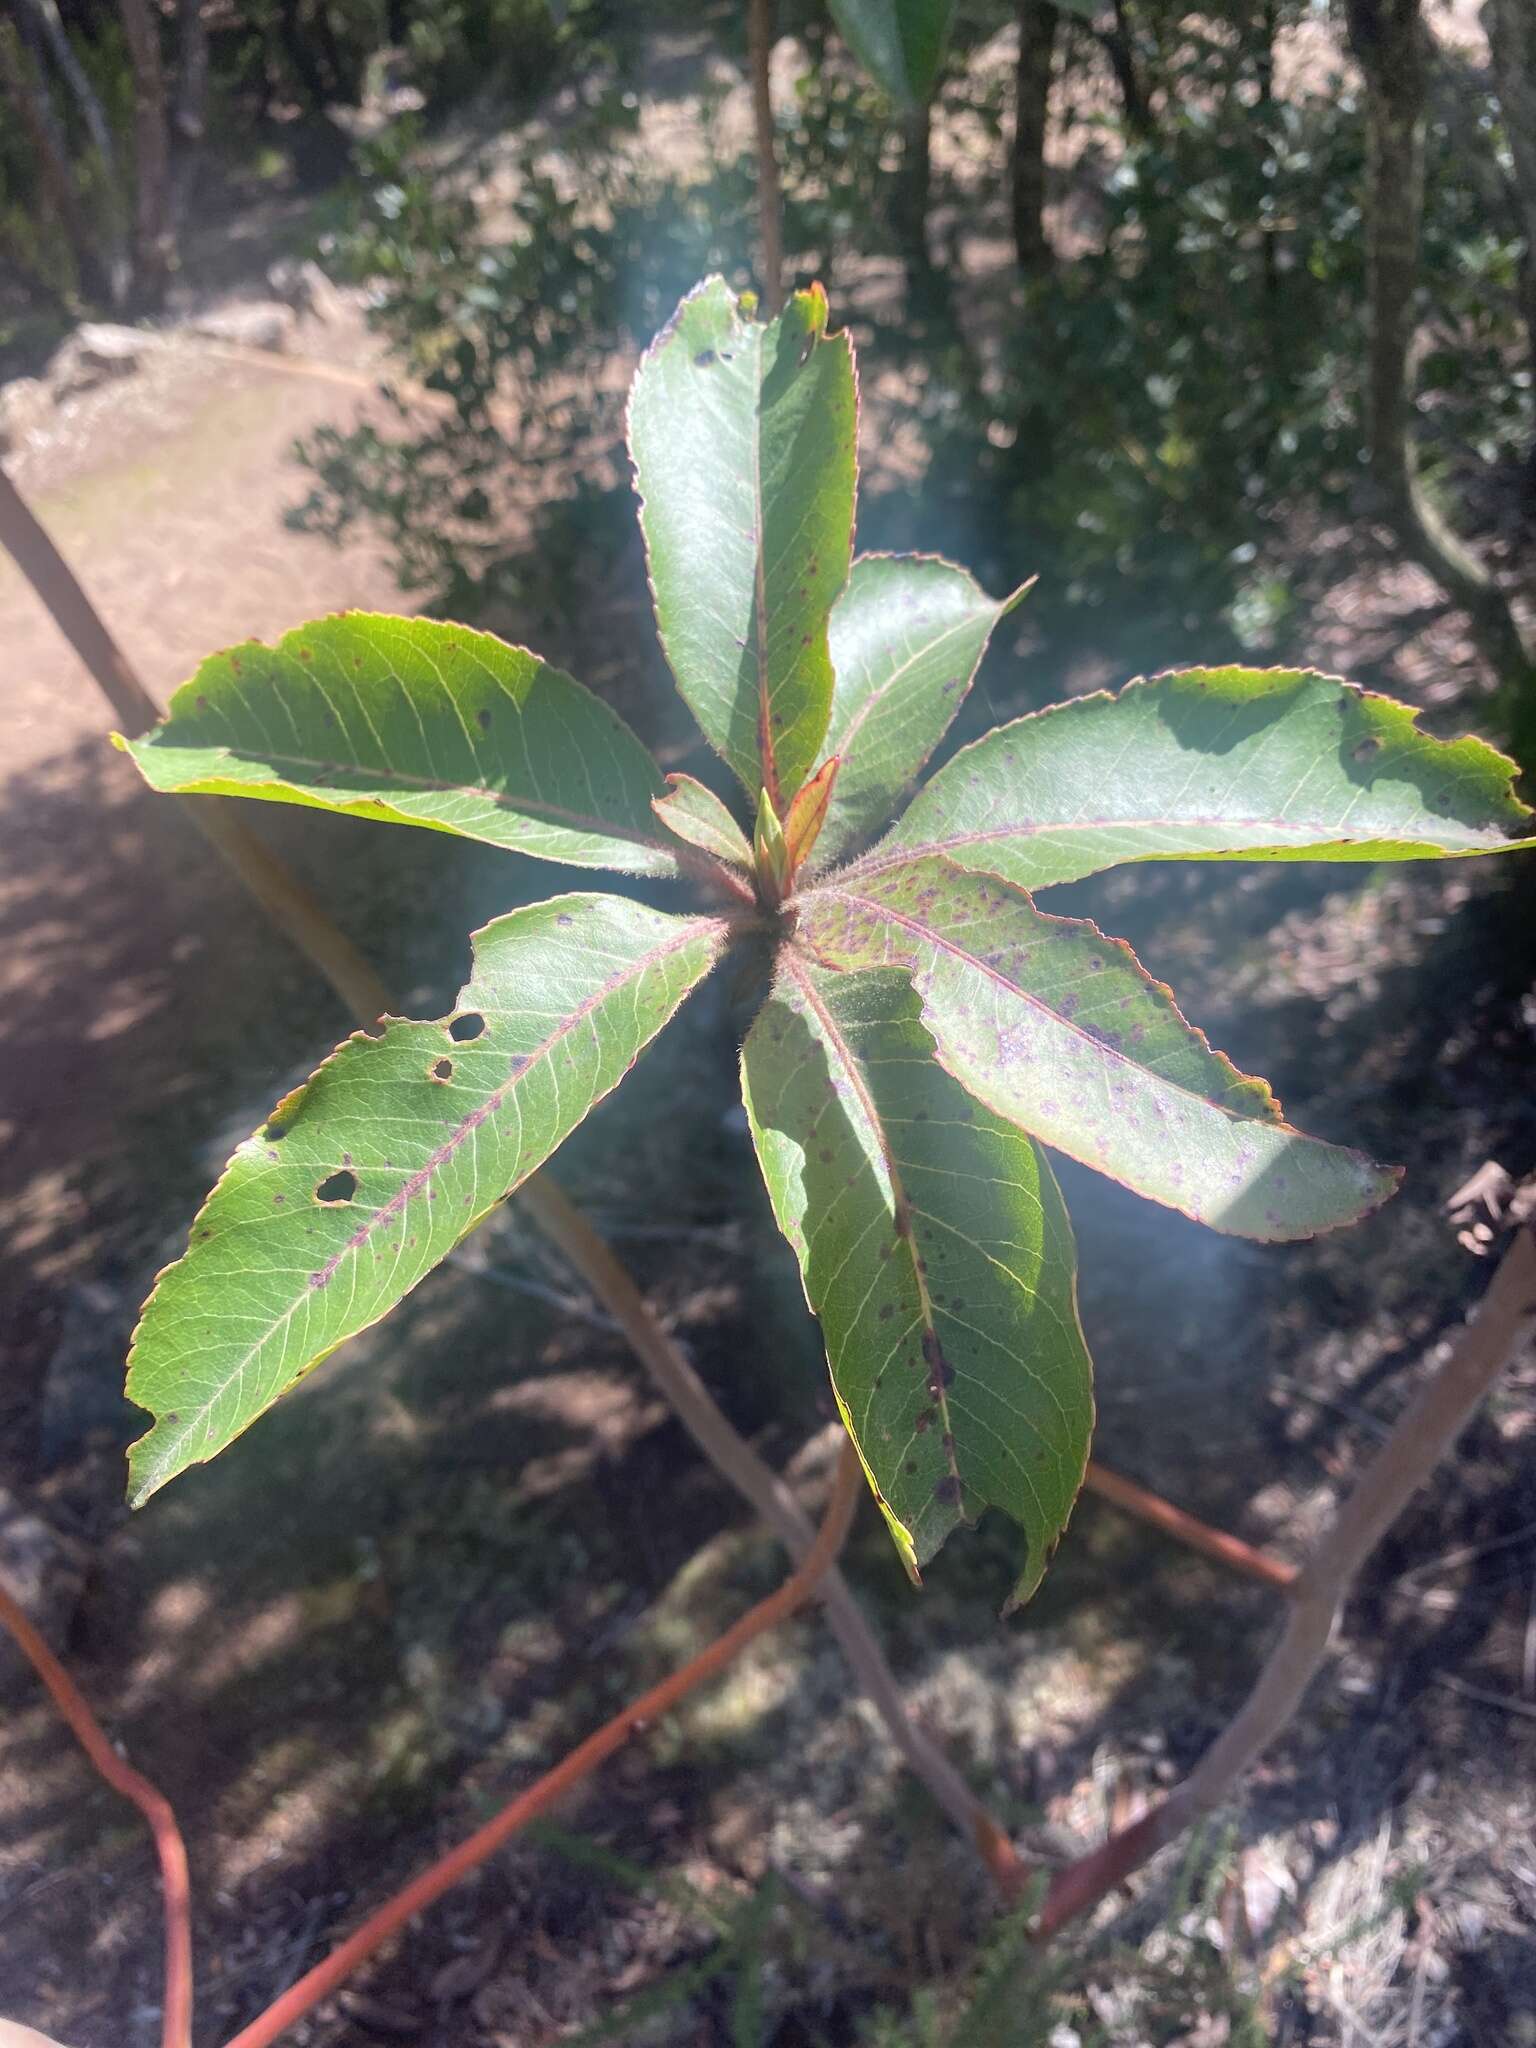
(442, 1562)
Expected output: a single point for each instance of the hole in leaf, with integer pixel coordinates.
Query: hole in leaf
(442, 1070)
(470, 1025)
(337, 1188)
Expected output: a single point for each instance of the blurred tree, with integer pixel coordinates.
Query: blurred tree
(1511, 26)
(154, 234)
(902, 44)
(191, 100)
(1394, 51)
(46, 14)
(1039, 21)
(24, 77)
(1116, 37)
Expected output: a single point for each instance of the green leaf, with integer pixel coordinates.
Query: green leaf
(696, 814)
(1211, 764)
(1062, 1031)
(368, 1175)
(936, 1251)
(907, 638)
(417, 723)
(900, 43)
(743, 442)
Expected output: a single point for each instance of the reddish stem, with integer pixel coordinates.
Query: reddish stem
(451, 1869)
(176, 2025)
(1149, 1507)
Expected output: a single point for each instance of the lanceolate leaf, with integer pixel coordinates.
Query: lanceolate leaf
(907, 637)
(807, 815)
(936, 1251)
(1213, 764)
(368, 1175)
(743, 442)
(1060, 1030)
(417, 723)
(900, 43)
(696, 814)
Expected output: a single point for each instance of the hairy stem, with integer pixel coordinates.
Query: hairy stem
(1423, 1433)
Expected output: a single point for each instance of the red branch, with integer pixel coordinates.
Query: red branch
(581, 1762)
(456, 1865)
(1216, 1544)
(176, 2026)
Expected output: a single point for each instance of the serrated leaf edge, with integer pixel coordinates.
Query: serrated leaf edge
(1393, 710)
(1273, 1117)
(290, 1101)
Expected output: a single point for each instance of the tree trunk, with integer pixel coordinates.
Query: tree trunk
(1511, 26)
(301, 56)
(26, 86)
(191, 101)
(345, 76)
(45, 15)
(1392, 47)
(909, 211)
(154, 242)
(1119, 46)
(1038, 23)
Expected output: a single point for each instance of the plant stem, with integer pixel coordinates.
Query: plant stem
(578, 1765)
(1216, 1544)
(769, 217)
(176, 2020)
(1421, 1436)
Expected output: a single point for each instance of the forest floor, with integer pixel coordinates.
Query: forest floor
(441, 1562)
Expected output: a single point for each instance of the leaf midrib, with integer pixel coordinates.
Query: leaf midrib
(860, 1087)
(765, 746)
(499, 799)
(841, 743)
